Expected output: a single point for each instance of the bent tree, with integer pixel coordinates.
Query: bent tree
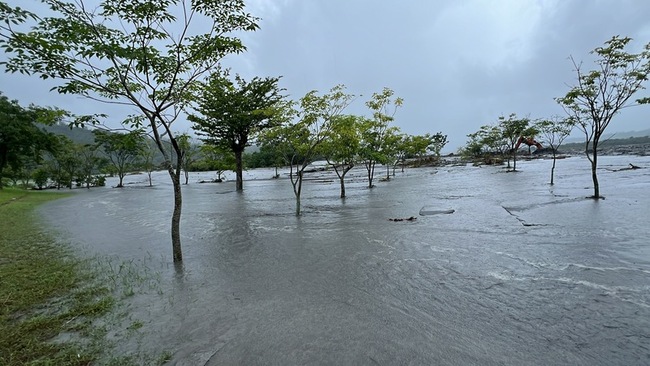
(601, 93)
(147, 54)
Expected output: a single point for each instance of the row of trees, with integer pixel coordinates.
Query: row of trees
(22, 139)
(155, 56)
(590, 106)
(29, 153)
(231, 115)
(504, 138)
(146, 54)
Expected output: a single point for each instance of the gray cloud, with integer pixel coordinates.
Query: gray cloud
(457, 65)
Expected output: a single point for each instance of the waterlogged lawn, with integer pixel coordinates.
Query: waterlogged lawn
(50, 299)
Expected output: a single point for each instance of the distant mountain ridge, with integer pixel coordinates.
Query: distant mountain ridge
(85, 136)
(614, 135)
(76, 134)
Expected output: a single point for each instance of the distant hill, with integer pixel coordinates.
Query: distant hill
(76, 134)
(613, 142)
(614, 135)
(625, 146)
(625, 135)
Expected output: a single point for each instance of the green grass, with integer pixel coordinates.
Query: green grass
(57, 308)
(44, 290)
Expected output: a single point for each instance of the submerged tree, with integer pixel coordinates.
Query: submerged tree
(231, 113)
(555, 130)
(123, 150)
(147, 157)
(190, 154)
(391, 149)
(513, 129)
(147, 54)
(438, 142)
(375, 130)
(69, 161)
(418, 146)
(601, 93)
(89, 165)
(488, 142)
(300, 141)
(216, 158)
(341, 146)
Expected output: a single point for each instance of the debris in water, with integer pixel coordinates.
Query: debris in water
(412, 218)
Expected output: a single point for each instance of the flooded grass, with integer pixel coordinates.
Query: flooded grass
(56, 308)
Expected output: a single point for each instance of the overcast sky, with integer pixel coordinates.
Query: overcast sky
(457, 64)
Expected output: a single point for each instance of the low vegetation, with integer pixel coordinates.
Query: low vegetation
(50, 300)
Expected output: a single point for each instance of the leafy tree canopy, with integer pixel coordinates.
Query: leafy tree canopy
(21, 137)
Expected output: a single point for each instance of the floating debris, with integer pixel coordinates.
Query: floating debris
(412, 218)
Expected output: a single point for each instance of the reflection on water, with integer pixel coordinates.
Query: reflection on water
(519, 273)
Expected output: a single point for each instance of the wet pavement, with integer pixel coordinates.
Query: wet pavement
(520, 273)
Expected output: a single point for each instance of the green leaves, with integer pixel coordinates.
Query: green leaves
(383, 107)
(342, 140)
(231, 112)
(21, 139)
(125, 50)
(600, 93)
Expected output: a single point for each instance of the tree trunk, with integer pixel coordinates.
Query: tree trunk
(150, 183)
(298, 205)
(176, 215)
(370, 167)
(594, 164)
(239, 170)
(341, 175)
(297, 190)
(553, 166)
(121, 176)
(3, 160)
(514, 161)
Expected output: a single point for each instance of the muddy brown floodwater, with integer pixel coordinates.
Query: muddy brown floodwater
(520, 273)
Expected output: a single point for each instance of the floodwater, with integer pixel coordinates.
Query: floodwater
(521, 273)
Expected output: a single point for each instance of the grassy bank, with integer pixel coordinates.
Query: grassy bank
(44, 291)
(48, 298)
